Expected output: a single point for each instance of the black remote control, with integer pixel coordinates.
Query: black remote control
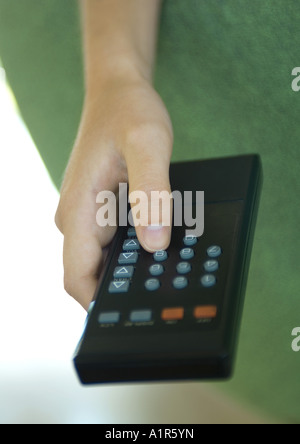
(175, 314)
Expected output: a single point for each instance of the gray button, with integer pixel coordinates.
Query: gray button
(190, 240)
(208, 280)
(211, 266)
(111, 317)
(160, 256)
(131, 232)
(141, 316)
(152, 284)
(124, 272)
(183, 267)
(180, 282)
(118, 287)
(187, 253)
(128, 258)
(156, 269)
(214, 251)
(131, 244)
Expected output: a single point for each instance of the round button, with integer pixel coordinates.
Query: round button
(183, 267)
(190, 240)
(208, 280)
(160, 256)
(156, 269)
(211, 265)
(152, 284)
(214, 251)
(180, 282)
(186, 254)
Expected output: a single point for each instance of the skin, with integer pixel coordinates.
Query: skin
(125, 135)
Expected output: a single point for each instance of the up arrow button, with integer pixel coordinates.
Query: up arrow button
(131, 244)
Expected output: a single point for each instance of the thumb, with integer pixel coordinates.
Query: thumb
(150, 197)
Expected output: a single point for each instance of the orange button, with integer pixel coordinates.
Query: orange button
(205, 312)
(172, 314)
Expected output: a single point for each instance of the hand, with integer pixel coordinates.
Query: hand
(125, 135)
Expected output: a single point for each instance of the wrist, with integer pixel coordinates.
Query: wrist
(114, 72)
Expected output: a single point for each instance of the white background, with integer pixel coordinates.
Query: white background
(40, 324)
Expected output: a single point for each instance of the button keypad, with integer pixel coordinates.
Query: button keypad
(181, 270)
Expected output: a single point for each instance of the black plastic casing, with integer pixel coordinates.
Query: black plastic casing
(183, 350)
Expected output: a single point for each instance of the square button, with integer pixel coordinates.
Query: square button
(131, 244)
(205, 312)
(131, 232)
(141, 316)
(128, 258)
(123, 272)
(111, 317)
(118, 287)
(172, 314)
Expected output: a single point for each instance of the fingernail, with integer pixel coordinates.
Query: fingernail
(156, 237)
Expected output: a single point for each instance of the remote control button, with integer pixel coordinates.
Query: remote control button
(141, 316)
(131, 244)
(152, 284)
(190, 240)
(211, 266)
(156, 269)
(118, 287)
(205, 312)
(208, 280)
(186, 254)
(172, 314)
(214, 251)
(128, 258)
(180, 282)
(160, 256)
(111, 317)
(124, 272)
(183, 267)
(131, 232)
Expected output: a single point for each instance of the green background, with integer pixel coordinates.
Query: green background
(224, 71)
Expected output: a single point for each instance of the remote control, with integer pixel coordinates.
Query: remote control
(175, 314)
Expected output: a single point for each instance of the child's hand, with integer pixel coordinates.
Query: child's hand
(125, 136)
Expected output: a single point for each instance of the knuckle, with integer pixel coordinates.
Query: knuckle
(145, 133)
(65, 206)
